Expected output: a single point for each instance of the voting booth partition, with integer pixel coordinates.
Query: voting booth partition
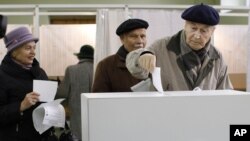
(169, 116)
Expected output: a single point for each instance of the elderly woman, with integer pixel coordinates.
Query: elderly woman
(17, 100)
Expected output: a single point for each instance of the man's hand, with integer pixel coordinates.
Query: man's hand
(147, 61)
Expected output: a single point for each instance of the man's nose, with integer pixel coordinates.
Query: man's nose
(197, 35)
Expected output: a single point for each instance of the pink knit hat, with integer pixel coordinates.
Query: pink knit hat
(18, 37)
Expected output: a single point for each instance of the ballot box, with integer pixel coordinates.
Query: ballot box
(169, 116)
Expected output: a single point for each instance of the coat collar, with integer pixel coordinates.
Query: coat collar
(122, 54)
(85, 60)
(12, 68)
(175, 43)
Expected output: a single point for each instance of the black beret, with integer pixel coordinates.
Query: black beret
(201, 14)
(130, 25)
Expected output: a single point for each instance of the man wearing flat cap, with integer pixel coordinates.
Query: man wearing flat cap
(111, 73)
(77, 79)
(188, 60)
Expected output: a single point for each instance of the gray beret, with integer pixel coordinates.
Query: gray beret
(130, 25)
(201, 14)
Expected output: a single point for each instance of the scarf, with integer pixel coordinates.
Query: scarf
(192, 60)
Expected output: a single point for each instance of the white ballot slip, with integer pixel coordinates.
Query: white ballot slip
(143, 86)
(46, 89)
(49, 114)
(156, 76)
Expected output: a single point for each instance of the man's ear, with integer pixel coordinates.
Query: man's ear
(122, 38)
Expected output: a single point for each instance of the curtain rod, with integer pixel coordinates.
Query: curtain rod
(72, 8)
(98, 6)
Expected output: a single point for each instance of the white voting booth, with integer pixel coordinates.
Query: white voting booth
(172, 116)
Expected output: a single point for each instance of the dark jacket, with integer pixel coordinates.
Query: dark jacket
(112, 75)
(16, 82)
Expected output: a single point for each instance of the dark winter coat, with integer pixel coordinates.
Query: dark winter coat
(15, 83)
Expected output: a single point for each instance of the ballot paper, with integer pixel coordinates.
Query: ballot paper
(143, 86)
(49, 114)
(46, 89)
(156, 76)
(146, 85)
(197, 89)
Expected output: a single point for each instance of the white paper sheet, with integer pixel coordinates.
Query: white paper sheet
(49, 114)
(156, 76)
(143, 86)
(197, 89)
(46, 89)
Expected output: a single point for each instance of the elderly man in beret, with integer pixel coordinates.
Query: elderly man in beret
(187, 59)
(111, 74)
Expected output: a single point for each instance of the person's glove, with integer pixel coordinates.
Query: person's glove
(147, 61)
